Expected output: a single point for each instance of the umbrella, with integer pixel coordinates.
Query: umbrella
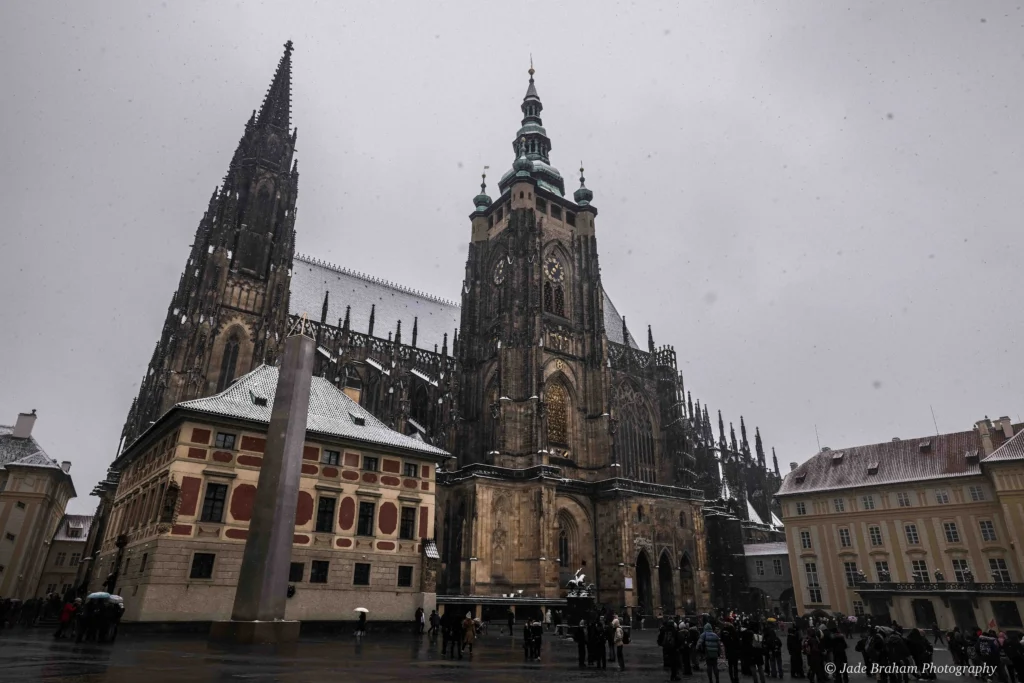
(771, 620)
(98, 596)
(361, 609)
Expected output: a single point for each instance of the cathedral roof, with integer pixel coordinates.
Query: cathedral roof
(891, 462)
(331, 412)
(312, 278)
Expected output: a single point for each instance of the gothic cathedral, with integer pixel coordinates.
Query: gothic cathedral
(576, 449)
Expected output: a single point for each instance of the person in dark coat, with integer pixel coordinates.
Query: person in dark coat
(837, 646)
(667, 643)
(733, 650)
(815, 658)
(772, 653)
(596, 644)
(795, 649)
(537, 636)
(579, 635)
(753, 650)
(878, 653)
(918, 645)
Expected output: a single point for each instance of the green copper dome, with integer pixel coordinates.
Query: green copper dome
(584, 194)
(482, 201)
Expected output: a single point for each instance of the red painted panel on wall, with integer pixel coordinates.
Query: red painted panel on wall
(250, 460)
(300, 538)
(385, 545)
(347, 514)
(253, 443)
(423, 522)
(331, 472)
(241, 502)
(222, 456)
(310, 453)
(388, 520)
(200, 435)
(425, 471)
(425, 485)
(351, 460)
(182, 529)
(189, 495)
(303, 509)
(344, 542)
(392, 466)
(410, 483)
(369, 477)
(390, 481)
(309, 469)
(237, 533)
(197, 453)
(350, 475)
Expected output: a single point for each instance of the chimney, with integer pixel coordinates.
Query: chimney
(23, 427)
(984, 428)
(1007, 426)
(792, 466)
(66, 466)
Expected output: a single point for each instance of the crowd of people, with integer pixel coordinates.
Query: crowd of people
(88, 619)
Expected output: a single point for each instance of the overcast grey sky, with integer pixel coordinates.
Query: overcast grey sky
(818, 203)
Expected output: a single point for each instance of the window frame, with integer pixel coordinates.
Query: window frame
(845, 539)
(777, 566)
(371, 518)
(411, 521)
(960, 566)
(951, 532)
(838, 505)
(801, 508)
(805, 540)
(412, 470)
(850, 573)
(411, 570)
(977, 493)
(357, 571)
(329, 457)
(371, 463)
(875, 533)
(987, 528)
(759, 567)
(903, 500)
(210, 504)
(880, 566)
(319, 571)
(325, 518)
(301, 566)
(867, 502)
(919, 571)
(999, 569)
(941, 496)
(197, 565)
(221, 440)
(907, 529)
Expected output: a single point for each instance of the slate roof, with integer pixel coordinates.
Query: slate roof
(1012, 449)
(83, 522)
(12, 449)
(331, 412)
(774, 548)
(312, 278)
(897, 462)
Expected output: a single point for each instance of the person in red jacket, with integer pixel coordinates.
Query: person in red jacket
(67, 615)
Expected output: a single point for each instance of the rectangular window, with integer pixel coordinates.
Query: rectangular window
(960, 570)
(318, 570)
(850, 571)
(1000, 572)
(777, 566)
(868, 502)
(903, 499)
(759, 567)
(882, 570)
(366, 511)
(801, 509)
(911, 531)
(805, 540)
(296, 570)
(330, 457)
(977, 493)
(325, 515)
(952, 533)
(404, 576)
(875, 533)
(570, 218)
(839, 505)
(225, 441)
(202, 566)
(361, 574)
(844, 537)
(501, 213)
(858, 608)
(370, 463)
(941, 496)
(542, 205)
(20, 505)
(556, 212)
(213, 504)
(919, 570)
(988, 530)
(408, 529)
(412, 469)
(60, 559)
(75, 557)
(142, 564)
(813, 587)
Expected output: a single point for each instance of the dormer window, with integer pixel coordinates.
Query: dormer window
(800, 478)
(837, 457)
(925, 446)
(873, 468)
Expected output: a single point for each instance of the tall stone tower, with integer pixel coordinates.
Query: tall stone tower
(230, 309)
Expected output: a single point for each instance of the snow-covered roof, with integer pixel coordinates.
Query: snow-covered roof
(331, 412)
(773, 548)
(72, 524)
(752, 514)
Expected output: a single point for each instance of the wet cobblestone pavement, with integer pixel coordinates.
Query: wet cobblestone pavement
(33, 655)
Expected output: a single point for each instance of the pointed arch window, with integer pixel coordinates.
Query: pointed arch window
(228, 363)
(634, 439)
(563, 548)
(420, 408)
(558, 415)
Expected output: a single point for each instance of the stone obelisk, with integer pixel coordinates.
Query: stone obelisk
(258, 613)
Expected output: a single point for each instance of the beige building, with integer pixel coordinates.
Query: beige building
(923, 531)
(64, 556)
(363, 522)
(34, 490)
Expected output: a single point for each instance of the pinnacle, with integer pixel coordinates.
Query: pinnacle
(276, 108)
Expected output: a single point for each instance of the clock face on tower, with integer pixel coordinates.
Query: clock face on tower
(553, 269)
(499, 272)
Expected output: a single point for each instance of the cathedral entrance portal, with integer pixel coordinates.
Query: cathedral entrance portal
(686, 581)
(668, 594)
(643, 583)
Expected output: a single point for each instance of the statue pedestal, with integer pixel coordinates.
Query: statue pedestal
(254, 632)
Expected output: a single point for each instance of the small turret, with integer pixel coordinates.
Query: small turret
(583, 195)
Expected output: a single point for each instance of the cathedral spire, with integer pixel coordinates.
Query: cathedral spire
(722, 444)
(277, 105)
(744, 444)
(759, 447)
(775, 461)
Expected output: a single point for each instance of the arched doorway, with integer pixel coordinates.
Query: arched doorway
(786, 604)
(668, 594)
(686, 582)
(643, 583)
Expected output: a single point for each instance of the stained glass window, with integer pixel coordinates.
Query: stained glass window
(559, 301)
(634, 439)
(558, 415)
